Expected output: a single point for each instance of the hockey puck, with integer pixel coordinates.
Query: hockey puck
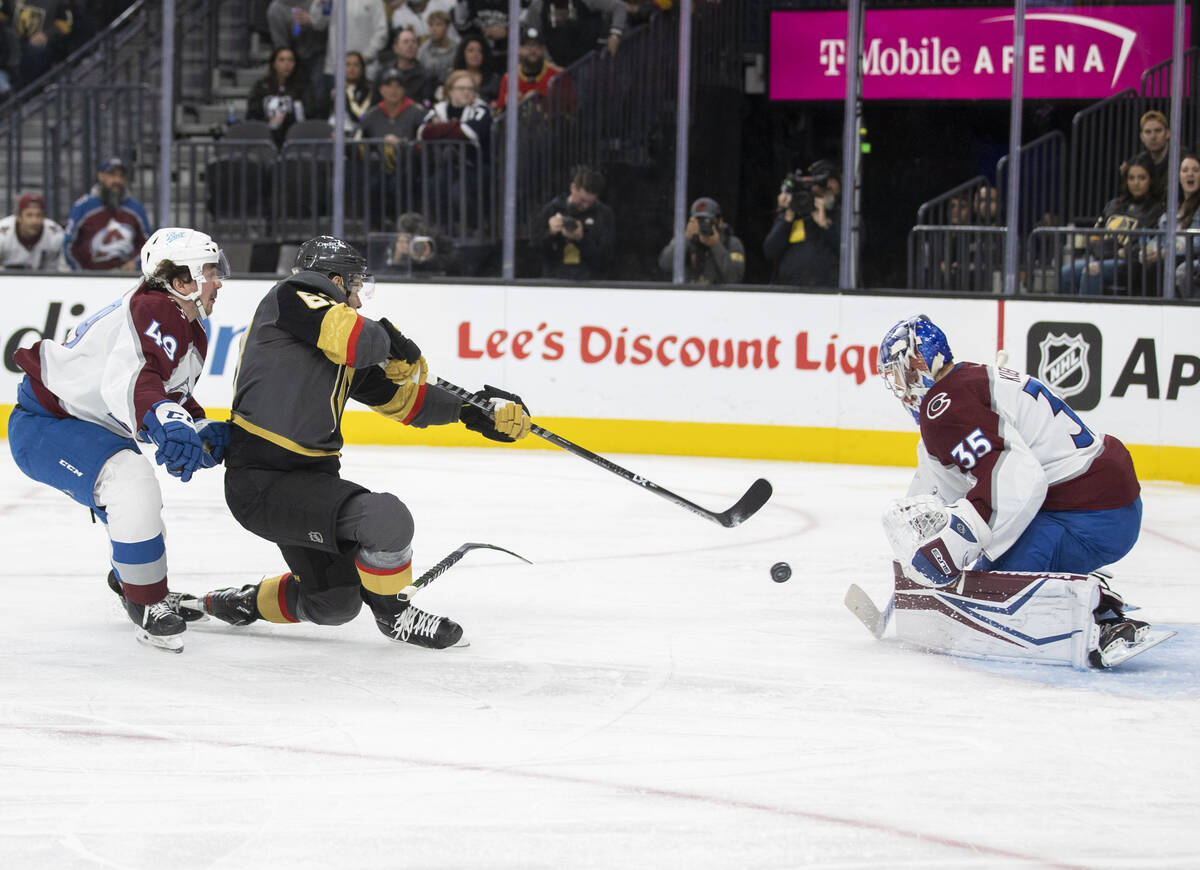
(781, 572)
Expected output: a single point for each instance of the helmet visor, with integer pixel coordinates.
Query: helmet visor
(362, 284)
(210, 270)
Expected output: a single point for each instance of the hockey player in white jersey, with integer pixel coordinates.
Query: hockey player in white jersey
(125, 373)
(1013, 485)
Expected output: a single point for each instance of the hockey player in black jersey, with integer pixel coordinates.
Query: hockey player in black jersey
(306, 352)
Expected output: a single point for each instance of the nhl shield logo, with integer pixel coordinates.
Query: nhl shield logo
(1063, 364)
(1066, 357)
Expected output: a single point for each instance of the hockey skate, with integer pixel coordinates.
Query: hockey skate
(233, 605)
(180, 603)
(1121, 639)
(402, 622)
(156, 625)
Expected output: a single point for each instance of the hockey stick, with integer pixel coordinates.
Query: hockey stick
(744, 508)
(861, 605)
(446, 564)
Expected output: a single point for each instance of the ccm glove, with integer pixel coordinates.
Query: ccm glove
(173, 433)
(215, 436)
(402, 347)
(509, 419)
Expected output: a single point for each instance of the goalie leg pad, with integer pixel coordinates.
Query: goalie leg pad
(1014, 616)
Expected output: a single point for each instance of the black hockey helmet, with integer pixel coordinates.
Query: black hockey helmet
(332, 256)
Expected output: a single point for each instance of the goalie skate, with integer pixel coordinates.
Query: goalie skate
(1122, 650)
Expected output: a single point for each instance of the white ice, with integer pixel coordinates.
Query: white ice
(643, 695)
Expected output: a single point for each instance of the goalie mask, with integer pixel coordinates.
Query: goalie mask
(911, 356)
(189, 249)
(331, 256)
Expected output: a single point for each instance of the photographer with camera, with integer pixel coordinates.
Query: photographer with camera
(804, 240)
(575, 231)
(714, 254)
(416, 252)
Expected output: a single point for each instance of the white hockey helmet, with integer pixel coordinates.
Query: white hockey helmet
(190, 249)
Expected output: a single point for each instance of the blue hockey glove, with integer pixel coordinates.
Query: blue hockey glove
(179, 447)
(215, 436)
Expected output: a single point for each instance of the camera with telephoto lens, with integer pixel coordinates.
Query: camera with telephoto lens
(421, 248)
(801, 185)
(704, 224)
(570, 224)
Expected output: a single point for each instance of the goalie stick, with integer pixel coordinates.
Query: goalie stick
(744, 508)
(447, 563)
(861, 605)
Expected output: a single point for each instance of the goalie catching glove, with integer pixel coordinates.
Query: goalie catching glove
(934, 542)
(509, 418)
(173, 432)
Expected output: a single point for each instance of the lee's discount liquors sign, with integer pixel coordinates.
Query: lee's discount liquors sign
(967, 54)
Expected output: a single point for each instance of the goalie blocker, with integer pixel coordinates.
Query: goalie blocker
(1028, 616)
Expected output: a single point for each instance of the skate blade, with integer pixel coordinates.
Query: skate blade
(1125, 652)
(168, 643)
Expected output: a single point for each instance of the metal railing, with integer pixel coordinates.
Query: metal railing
(964, 259)
(249, 190)
(125, 58)
(1102, 136)
(1043, 182)
(1098, 262)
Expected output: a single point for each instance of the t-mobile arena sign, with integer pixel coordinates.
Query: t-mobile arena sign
(966, 54)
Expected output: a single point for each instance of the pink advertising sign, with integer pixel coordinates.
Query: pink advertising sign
(1072, 52)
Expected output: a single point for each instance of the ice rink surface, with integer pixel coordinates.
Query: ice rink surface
(642, 696)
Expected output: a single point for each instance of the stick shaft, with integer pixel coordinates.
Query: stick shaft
(753, 499)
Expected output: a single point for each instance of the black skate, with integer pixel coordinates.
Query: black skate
(181, 604)
(1119, 640)
(157, 625)
(232, 605)
(402, 622)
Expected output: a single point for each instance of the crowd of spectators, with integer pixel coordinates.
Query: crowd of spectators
(430, 70)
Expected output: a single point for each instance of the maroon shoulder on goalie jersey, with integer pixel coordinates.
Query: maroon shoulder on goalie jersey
(971, 418)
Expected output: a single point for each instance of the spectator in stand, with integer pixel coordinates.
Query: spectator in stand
(714, 254)
(461, 116)
(395, 120)
(572, 28)
(534, 72)
(28, 239)
(641, 11)
(10, 51)
(107, 227)
(418, 85)
(487, 19)
(44, 31)
(291, 26)
(436, 54)
(474, 57)
(1106, 262)
(396, 117)
(281, 97)
(1156, 137)
(359, 93)
(575, 232)
(986, 207)
(1187, 245)
(805, 238)
(366, 33)
(414, 14)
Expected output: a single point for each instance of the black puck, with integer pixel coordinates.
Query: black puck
(781, 572)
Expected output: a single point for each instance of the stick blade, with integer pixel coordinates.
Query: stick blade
(860, 604)
(748, 505)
